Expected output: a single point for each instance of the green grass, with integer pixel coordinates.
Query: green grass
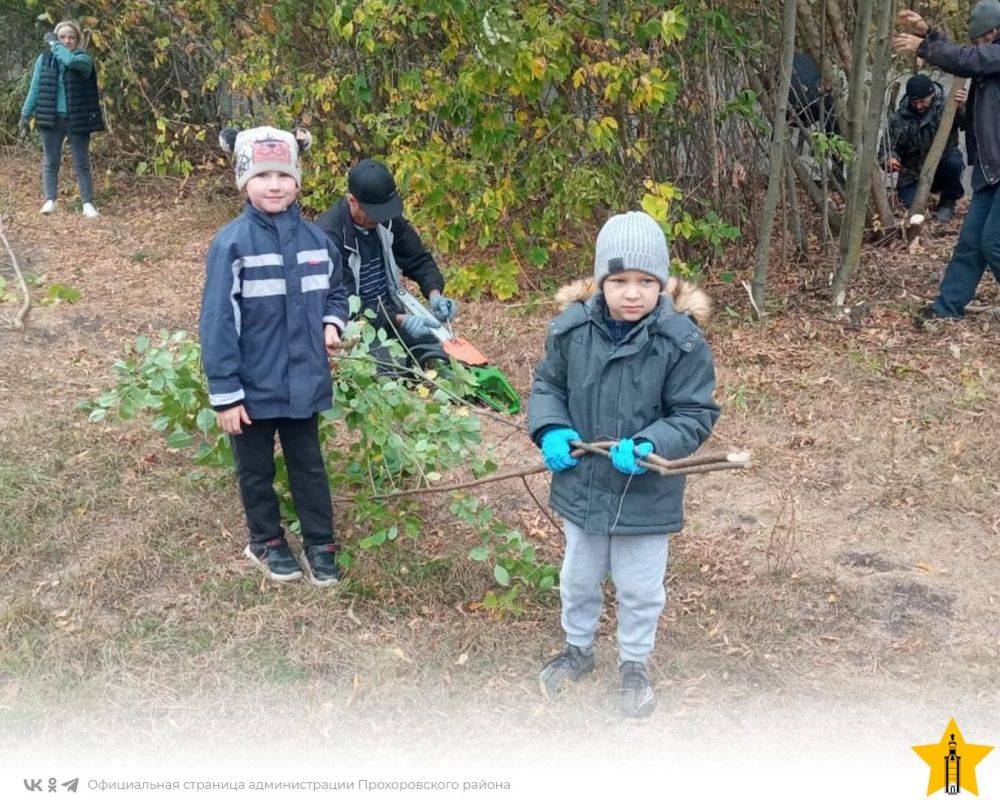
(29, 498)
(26, 629)
(268, 661)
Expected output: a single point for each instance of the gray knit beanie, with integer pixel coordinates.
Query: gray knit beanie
(633, 240)
(984, 18)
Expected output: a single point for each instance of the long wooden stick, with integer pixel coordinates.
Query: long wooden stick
(695, 465)
(669, 467)
(19, 317)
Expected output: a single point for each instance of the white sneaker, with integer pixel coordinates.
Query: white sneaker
(89, 211)
(49, 207)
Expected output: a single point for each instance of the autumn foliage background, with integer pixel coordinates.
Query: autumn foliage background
(513, 126)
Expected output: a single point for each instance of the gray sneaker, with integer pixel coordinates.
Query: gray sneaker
(570, 665)
(945, 213)
(638, 699)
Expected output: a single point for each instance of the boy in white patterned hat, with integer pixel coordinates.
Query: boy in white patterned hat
(274, 307)
(627, 366)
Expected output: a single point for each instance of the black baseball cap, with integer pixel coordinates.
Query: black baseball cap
(372, 185)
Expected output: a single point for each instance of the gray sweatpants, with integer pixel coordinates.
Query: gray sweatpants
(637, 563)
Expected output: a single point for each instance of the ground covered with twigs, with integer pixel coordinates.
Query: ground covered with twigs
(857, 559)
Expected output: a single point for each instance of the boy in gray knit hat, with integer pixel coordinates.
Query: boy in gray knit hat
(622, 366)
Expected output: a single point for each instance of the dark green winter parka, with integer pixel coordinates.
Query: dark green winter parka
(656, 384)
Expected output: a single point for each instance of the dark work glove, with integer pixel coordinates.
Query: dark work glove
(23, 127)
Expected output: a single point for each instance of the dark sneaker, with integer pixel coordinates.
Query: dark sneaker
(321, 565)
(924, 316)
(927, 319)
(275, 556)
(945, 213)
(638, 700)
(570, 665)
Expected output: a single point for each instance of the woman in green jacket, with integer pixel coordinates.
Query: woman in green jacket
(65, 103)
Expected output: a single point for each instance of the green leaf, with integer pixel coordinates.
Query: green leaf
(205, 420)
(60, 293)
(480, 553)
(501, 575)
(178, 440)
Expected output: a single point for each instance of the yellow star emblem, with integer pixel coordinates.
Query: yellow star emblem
(952, 761)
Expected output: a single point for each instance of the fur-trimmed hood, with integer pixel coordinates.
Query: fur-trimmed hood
(686, 297)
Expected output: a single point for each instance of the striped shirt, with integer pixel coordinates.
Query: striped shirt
(373, 282)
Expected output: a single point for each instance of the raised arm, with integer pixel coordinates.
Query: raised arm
(966, 61)
(72, 59)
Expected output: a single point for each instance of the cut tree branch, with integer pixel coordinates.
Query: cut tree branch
(18, 322)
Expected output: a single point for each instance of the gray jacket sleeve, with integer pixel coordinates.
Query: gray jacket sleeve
(548, 404)
(691, 412)
(966, 61)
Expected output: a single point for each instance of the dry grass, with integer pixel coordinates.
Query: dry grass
(846, 562)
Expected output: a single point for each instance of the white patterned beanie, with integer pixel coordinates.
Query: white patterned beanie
(265, 149)
(633, 240)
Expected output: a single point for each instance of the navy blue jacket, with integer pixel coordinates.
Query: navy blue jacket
(271, 283)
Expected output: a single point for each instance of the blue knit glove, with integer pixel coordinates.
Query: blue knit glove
(419, 327)
(625, 453)
(555, 448)
(444, 308)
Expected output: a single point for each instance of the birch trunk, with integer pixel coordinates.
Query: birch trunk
(777, 156)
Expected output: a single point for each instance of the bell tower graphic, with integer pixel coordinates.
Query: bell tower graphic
(952, 769)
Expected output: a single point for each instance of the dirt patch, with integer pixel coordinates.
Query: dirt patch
(868, 561)
(910, 605)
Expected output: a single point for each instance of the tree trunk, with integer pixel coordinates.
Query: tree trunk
(867, 132)
(933, 158)
(813, 38)
(838, 32)
(776, 161)
(856, 85)
(815, 194)
(877, 195)
(792, 201)
(862, 28)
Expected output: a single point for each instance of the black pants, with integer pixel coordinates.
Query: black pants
(947, 180)
(253, 451)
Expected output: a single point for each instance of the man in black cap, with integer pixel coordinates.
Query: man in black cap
(912, 129)
(380, 247)
(978, 247)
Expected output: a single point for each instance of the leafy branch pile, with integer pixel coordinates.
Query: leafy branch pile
(400, 433)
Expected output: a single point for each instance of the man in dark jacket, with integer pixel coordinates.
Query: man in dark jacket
(979, 242)
(912, 129)
(379, 247)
